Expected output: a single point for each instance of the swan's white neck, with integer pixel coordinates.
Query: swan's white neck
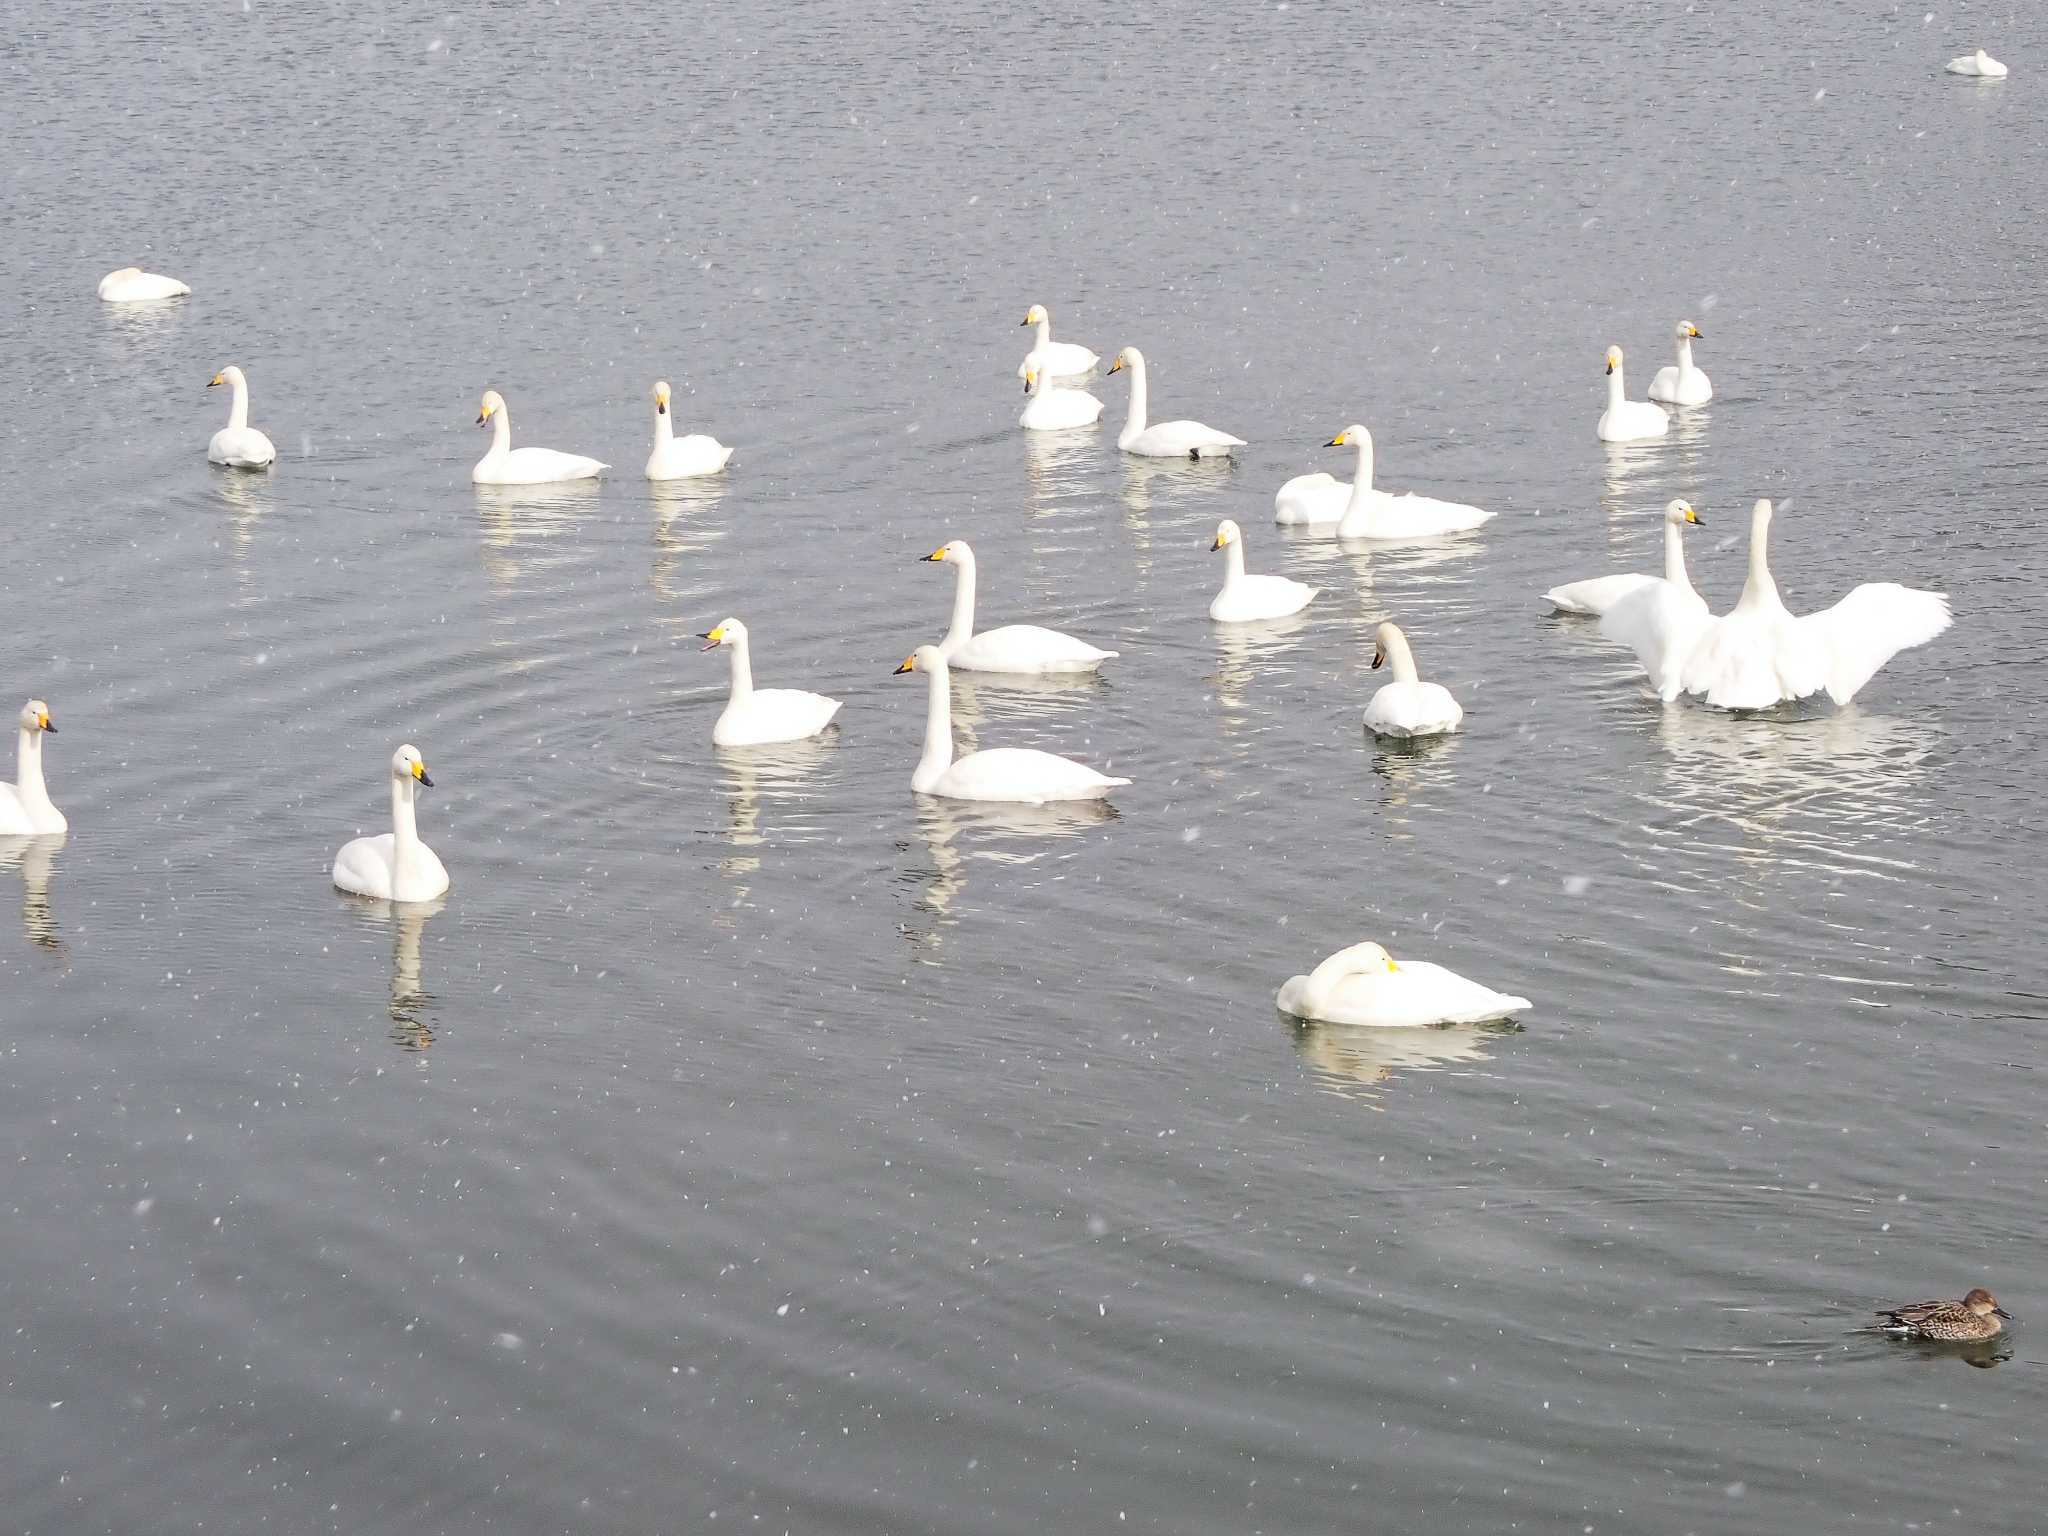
(28, 770)
(961, 630)
(938, 730)
(1759, 591)
(1325, 979)
(405, 832)
(1685, 354)
(501, 432)
(1400, 660)
(1233, 563)
(1042, 335)
(664, 425)
(1674, 555)
(238, 411)
(1361, 481)
(1134, 423)
(1615, 393)
(742, 671)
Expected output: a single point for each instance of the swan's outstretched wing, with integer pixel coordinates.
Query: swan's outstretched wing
(1869, 627)
(1661, 624)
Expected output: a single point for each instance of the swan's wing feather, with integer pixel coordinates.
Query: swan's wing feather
(1870, 626)
(1025, 647)
(1596, 594)
(1662, 624)
(363, 867)
(1023, 773)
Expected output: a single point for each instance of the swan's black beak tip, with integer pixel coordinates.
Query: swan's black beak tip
(427, 779)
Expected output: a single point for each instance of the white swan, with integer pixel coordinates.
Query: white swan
(1247, 599)
(1662, 618)
(506, 465)
(1365, 985)
(1054, 410)
(1169, 439)
(1759, 653)
(1014, 647)
(754, 717)
(1407, 706)
(678, 458)
(1626, 420)
(1979, 63)
(1361, 510)
(1596, 594)
(1056, 359)
(1020, 774)
(238, 445)
(395, 865)
(132, 285)
(1680, 383)
(25, 808)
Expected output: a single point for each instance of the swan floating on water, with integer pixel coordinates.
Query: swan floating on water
(1626, 420)
(1247, 599)
(132, 285)
(238, 445)
(1362, 511)
(1407, 706)
(1055, 359)
(1680, 383)
(1760, 653)
(754, 717)
(1365, 985)
(1596, 594)
(1979, 63)
(1022, 648)
(677, 458)
(1168, 439)
(25, 808)
(506, 465)
(395, 865)
(1020, 774)
(1660, 618)
(1054, 410)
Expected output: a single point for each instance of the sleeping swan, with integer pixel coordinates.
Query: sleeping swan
(132, 285)
(1018, 774)
(1364, 985)
(1013, 648)
(506, 465)
(395, 865)
(754, 717)
(1168, 439)
(25, 808)
(1979, 63)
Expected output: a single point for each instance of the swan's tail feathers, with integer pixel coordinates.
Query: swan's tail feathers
(1870, 626)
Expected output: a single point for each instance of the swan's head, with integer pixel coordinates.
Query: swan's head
(1227, 534)
(1681, 512)
(1979, 1301)
(661, 397)
(35, 716)
(1036, 315)
(952, 552)
(1351, 434)
(1685, 330)
(406, 763)
(728, 632)
(493, 403)
(926, 658)
(1387, 638)
(230, 375)
(1613, 358)
(1130, 357)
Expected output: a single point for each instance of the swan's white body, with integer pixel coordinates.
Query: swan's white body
(1019, 774)
(1596, 594)
(1663, 618)
(239, 445)
(1055, 410)
(1167, 439)
(754, 716)
(1626, 420)
(1053, 359)
(1023, 648)
(1681, 383)
(1364, 985)
(1407, 706)
(1979, 63)
(25, 808)
(132, 285)
(1760, 653)
(1246, 599)
(395, 865)
(1360, 510)
(673, 458)
(506, 465)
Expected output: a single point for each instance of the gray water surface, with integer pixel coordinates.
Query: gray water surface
(742, 1137)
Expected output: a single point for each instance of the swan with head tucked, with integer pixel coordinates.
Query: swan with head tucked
(754, 716)
(1019, 774)
(1626, 420)
(1661, 618)
(132, 285)
(1596, 594)
(1054, 359)
(238, 445)
(1760, 653)
(1168, 439)
(25, 808)
(1014, 647)
(1407, 706)
(1362, 511)
(1246, 599)
(1980, 64)
(395, 865)
(1054, 410)
(1681, 383)
(678, 458)
(506, 465)
(1364, 985)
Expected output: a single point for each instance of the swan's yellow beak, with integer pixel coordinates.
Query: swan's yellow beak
(1390, 964)
(1030, 379)
(484, 415)
(43, 722)
(1379, 658)
(1335, 442)
(937, 554)
(1693, 332)
(1116, 365)
(1693, 518)
(1026, 320)
(213, 381)
(419, 771)
(1613, 358)
(1222, 539)
(661, 401)
(713, 638)
(909, 665)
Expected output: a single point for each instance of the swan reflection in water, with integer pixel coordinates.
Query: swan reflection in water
(682, 529)
(411, 1003)
(1182, 489)
(248, 499)
(997, 698)
(1244, 652)
(1411, 767)
(1350, 1058)
(1059, 467)
(779, 773)
(519, 521)
(955, 831)
(36, 858)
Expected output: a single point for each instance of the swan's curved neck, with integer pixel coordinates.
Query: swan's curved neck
(1759, 589)
(1685, 354)
(238, 411)
(1233, 563)
(1042, 335)
(1134, 423)
(28, 769)
(961, 630)
(742, 670)
(1674, 555)
(501, 431)
(1400, 660)
(664, 425)
(1326, 978)
(405, 832)
(1361, 480)
(938, 729)
(1615, 393)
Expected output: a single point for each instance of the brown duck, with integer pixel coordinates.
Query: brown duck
(1976, 1316)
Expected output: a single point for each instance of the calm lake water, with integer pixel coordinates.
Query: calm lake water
(745, 1144)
